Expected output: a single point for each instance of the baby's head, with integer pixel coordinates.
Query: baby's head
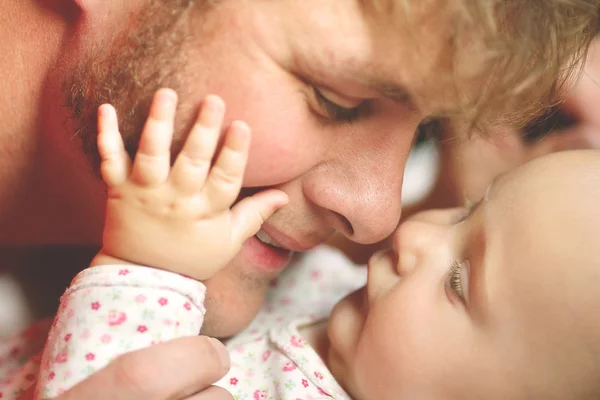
(500, 303)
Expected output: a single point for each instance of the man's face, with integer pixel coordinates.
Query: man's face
(326, 88)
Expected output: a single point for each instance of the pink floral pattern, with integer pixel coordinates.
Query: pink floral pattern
(107, 306)
(270, 360)
(289, 366)
(116, 318)
(260, 395)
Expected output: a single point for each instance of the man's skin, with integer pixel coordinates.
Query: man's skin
(63, 58)
(471, 164)
(572, 124)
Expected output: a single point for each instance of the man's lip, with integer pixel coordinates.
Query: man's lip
(286, 241)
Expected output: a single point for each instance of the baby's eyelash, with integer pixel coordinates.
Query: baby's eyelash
(454, 278)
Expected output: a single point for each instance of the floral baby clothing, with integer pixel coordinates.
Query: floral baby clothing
(110, 310)
(270, 360)
(113, 309)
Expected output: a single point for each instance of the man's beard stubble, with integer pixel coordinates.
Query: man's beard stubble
(150, 54)
(147, 55)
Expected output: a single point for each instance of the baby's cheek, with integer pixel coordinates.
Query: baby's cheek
(370, 373)
(384, 362)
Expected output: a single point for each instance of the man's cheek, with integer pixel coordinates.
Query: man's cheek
(280, 157)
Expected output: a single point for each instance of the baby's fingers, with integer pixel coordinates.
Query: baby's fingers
(193, 162)
(115, 162)
(153, 158)
(250, 213)
(225, 178)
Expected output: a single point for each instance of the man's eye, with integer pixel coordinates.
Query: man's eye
(334, 111)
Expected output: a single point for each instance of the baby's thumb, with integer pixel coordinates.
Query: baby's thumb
(250, 213)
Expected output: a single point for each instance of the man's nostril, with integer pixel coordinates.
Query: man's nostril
(346, 225)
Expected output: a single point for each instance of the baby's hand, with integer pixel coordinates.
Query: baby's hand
(178, 218)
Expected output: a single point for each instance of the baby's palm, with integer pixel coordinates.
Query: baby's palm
(179, 218)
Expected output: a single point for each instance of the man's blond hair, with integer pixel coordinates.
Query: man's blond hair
(522, 53)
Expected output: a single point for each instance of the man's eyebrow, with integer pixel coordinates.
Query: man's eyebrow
(396, 93)
(393, 91)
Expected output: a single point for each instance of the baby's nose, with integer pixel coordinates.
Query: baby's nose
(414, 240)
(407, 262)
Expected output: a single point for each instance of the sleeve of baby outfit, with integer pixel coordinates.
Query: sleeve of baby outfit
(111, 310)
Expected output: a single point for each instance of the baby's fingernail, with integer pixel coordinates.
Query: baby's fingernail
(221, 351)
(213, 103)
(105, 111)
(166, 97)
(283, 199)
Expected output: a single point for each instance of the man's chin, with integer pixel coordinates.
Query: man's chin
(224, 320)
(232, 301)
(235, 294)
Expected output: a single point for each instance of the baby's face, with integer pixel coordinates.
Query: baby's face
(501, 303)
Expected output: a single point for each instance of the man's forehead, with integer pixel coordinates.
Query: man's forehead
(386, 56)
(365, 72)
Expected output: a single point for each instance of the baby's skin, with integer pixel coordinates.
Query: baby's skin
(179, 218)
(499, 301)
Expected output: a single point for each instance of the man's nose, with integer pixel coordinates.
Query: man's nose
(361, 192)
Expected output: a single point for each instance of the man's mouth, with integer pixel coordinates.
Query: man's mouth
(262, 252)
(268, 240)
(272, 249)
